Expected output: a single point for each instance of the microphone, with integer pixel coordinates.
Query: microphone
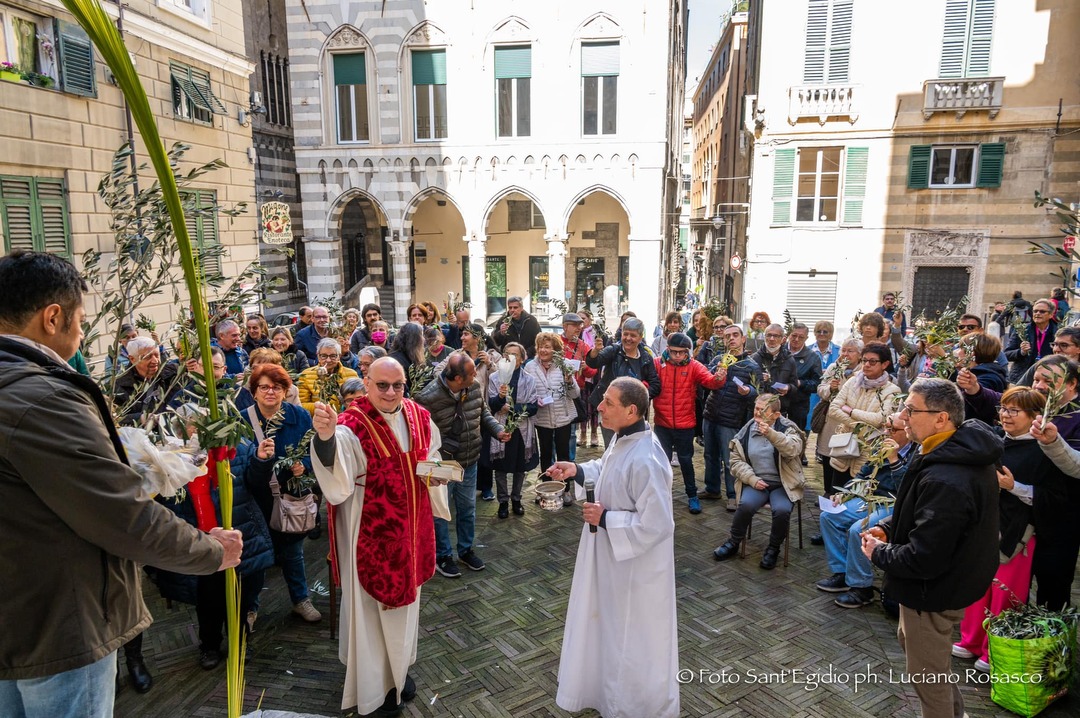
(590, 496)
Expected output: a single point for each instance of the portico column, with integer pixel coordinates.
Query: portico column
(478, 277)
(645, 291)
(399, 252)
(556, 252)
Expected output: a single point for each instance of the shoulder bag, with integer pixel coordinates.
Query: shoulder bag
(289, 514)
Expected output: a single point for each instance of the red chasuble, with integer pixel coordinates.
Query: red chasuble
(395, 549)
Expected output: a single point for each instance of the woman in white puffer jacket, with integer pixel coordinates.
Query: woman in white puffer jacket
(555, 390)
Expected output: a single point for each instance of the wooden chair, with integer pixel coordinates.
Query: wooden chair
(787, 538)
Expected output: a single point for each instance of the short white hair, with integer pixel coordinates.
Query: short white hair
(138, 345)
(329, 343)
(225, 326)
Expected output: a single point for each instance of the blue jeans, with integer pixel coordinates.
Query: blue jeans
(843, 545)
(290, 556)
(681, 441)
(462, 499)
(718, 457)
(573, 441)
(87, 692)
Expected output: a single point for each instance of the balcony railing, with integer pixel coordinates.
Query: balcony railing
(821, 102)
(963, 95)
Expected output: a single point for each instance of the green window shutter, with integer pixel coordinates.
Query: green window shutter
(76, 60)
(991, 164)
(817, 32)
(783, 185)
(429, 67)
(17, 212)
(201, 82)
(855, 184)
(919, 167)
(840, 41)
(513, 62)
(982, 34)
(600, 59)
(954, 40)
(350, 69)
(201, 214)
(53, 212)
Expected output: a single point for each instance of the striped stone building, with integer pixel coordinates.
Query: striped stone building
(487, 150)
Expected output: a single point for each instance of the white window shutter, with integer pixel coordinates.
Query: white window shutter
(982, 33)
(840, 41)
(954, 40)
(817, 28)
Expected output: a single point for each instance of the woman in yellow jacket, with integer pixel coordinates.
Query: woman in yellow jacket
(322, 382)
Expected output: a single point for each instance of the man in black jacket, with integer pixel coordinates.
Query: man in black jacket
(726, 411)
(942, 539)
(519, 326)
(1036, 342)
(807, 377)
(779, 372)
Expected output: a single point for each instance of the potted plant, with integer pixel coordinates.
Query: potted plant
(37, 79)
(10, 72)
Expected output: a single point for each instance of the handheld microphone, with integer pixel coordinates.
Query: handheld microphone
(590, 496)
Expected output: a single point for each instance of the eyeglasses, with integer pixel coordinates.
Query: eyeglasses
(1040, 311)
(681, 352)
(218, 367)
(1009, 411)
(269, 388)
(773, 336)
(385, 386)
(328, 356)
(1062, 345)
(908, 409)
(872, 362)
(969, 327)
(819, 332)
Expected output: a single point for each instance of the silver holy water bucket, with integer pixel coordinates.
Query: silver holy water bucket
(551, 493)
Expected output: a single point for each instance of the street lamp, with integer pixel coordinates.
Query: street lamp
(717, 222)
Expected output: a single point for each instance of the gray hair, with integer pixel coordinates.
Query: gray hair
(770, 401)
(226, 325)
(632, 393)
(941, 395)
(800, 325)
(352, 386)
(633, 324)
(373, 352)
(853, 341)
(514, 300)
(138, 344)
(329, 343)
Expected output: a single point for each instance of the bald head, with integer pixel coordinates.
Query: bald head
(385, 384)
(459, 372)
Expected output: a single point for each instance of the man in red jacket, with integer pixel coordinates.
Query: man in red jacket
(674, 414)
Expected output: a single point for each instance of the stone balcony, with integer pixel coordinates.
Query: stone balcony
(820, 102)
(963, 95)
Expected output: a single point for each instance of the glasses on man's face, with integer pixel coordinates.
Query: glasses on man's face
(770, 335)
(385, 386)
(968, 327)
(797, 337)
(328, 357)
(1062, 345)
(1009, 411)
(821, 332)
(218, 367)
(269, 388)
(1040, 311)
(909, 409)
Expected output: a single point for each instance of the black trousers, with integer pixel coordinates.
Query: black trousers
(210, 606)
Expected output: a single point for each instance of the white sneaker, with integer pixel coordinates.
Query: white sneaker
(674, 460)
(981, 665)
(959, 651)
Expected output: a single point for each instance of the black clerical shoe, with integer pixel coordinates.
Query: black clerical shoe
(408, 691)
(141, 680)
(391, 706)
(768, 559)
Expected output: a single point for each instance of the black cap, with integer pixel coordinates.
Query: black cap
(680, 341)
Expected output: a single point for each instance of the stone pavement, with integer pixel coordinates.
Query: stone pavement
(489, 641)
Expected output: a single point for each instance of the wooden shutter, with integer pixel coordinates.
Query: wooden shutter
(17, 205)
(855, 184)
(201, 209)
(429, 67)
(52, 209)
(783, 185)
(600, 59)
(350, 69)
(76, 60)
(982, 33)
(200, 81)
(839, 41)
(919, 167)
(954, 40)
(513, 62)
(991, 164)
(817, 30)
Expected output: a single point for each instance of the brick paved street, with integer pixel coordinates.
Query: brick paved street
(489, 643)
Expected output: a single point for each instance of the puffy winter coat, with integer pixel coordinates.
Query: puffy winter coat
(675, 407)
(726, 406)
(307, 385)
(461, 434)
(550, 382)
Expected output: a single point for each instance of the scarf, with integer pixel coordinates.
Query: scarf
(862, 383)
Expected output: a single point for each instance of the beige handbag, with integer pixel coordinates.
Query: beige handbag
(289, 514)
(845, 445)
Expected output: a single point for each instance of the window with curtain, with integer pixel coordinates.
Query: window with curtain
(513, 78)
(599, 87)
(429, 94)
(350, 88)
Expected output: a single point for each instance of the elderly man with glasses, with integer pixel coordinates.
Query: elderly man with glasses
(1066, 343)
(382, 537)
(307, 339)
(778, 367)
(1027, 347)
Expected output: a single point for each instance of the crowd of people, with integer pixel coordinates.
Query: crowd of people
(934, 453)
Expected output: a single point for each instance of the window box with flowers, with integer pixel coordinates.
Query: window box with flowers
(10, 72)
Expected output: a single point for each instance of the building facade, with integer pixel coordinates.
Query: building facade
(487, 149)
(901, 152)
(59, 135)
(719, 188)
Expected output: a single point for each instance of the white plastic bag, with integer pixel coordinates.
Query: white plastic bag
(165, 470)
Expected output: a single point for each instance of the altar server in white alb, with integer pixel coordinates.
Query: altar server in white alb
(382, 535)
(620, 652)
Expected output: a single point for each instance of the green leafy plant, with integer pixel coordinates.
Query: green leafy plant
(419, 376)
(513, 416)
(789, 322)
